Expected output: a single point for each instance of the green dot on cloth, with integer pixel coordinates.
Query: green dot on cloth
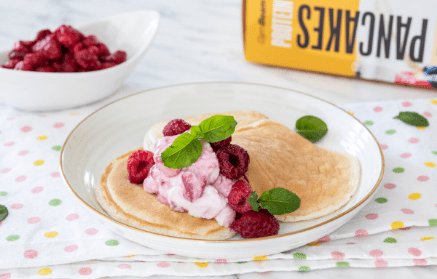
(55, 202)
(398, 170)
(299, 256)
(390, 240)
(432, 222)
(434, 152)
(342, 264)
(12, 237)
(381, 200)
(390, 132)
(57, 147)
(112, 242)
(241, 262)
(368, 123)
(304, 268)
(3, 194)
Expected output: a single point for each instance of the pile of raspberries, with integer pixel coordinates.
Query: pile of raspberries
(65, 50)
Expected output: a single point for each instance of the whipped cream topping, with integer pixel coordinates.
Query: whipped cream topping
(199, 189)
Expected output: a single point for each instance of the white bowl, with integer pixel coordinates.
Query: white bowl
(120, 127)
(36, 91)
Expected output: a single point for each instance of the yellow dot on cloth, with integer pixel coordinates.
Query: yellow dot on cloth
(415, 196)
(41, 138)
(73, 113)
(429, 164)
(51, 234)
(202, 264)
(313, 244)
(130, 256)
(427, 238)
(351, 112)
(421, 128)
(260, 258)
(434, 102)
(38, 162)
(44, 271)
(397, 225)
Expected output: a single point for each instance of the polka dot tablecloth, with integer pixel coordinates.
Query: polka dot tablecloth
(48, 235)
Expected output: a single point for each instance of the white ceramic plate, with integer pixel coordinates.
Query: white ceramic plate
(120, 127)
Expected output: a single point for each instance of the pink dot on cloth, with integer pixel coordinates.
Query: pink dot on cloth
(124, 266)
(163, 264)
(371, 216)
(405, 229)
(58, 125)
(70, 248)
(414, 251)
(23, 152)
(221, 261)
(26, 129)
(427, 114)
(55, 174)
(0, 224)
(419, 261)
(337, 255)
(376, 253)
(85, 271)
(5, 170)
(407, 211)
(389, 186)
(72, 217)
(9, 143)
(377, 109)
(350, 243)
(37, 190)
(361, 233)
(405, 155)
(21, 178)
(33, 220)
(10, 118)
(406, 104)
(17, 206)
(30, 254)
(384, 147)
(91, 231)
(423, 178)
(5, 276)
(381, 263)
(326, 238)
(413, 140)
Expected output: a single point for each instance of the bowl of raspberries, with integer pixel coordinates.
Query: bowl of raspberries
(72, 66)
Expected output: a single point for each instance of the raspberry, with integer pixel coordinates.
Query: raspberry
(117, 57)
(138, 165)
(19, 50)
(103, 50)
(34, 59)
(90, 41)
(47, 69)
(23, 66)
(217, 145)
(86, 59)
(175, 127)
(238, 196)
(106, 65)
(42, 34)
(233, 161)
(78, 47)
(67, 35)
(11, 64)
(254, 224)
(68, 66)
(49, 47)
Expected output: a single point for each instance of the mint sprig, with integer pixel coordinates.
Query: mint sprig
(412, 118)
(277, 201)
(3, 212)
(312, 128)
(187, 148)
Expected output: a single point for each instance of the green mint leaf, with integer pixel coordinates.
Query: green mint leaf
(196, 132)
(252, 200)
(279, 201)
(217, 128)
(412, 118)
(312, 128)
(3, 212)
(183, 152)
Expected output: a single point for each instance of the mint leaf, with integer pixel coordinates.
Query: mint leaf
(183, 152)
(312, 128)
(217, 128)
(196, 132)
(3, 212)
(412, 118)
(279, 201)
(252, 200)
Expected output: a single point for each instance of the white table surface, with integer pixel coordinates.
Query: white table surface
(200, 41)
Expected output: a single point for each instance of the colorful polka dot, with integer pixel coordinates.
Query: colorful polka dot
(37, 190)
(85, 271)
(427, 114)
(377, 109)
(41, 137)
(434, 152)
(30, 254)
(381, 263)
(432, 222)
(414, 251)
(260, 258)
(112, 242)
(10, 118)
(51, 234)
(313, 244)
(71, 248)
(381, 200)
(124, 266)
(427, 238)
(21, 178)
(430, 164)
(91, 231)
(201, 265)
(405, 155)
(38, 162)
(26, 129)
(371, 216)
(326, 238)
(397, 225)
(33, 220)
(2, 194)
(9, 143)
(342, 264)
(44, 271)
(368, 123)
(407, 211)
(58, 125)
(72, 217)
(414, 196)
(398, 170)
(131, 256)
(421, 128)
(23, 152)
(73, 113)
(221, 261)
(359, 233)
(419, 262)
(299, 256)
(304, 268)
(413, 140)
(337, 255)
(376, 253)
(384, 147)
(12, 237)
(350, 243)
(434, 102)
(163, 264)
(55, 174)
(390, 132)
(56, 147)
(17, 206)
(5, 170)
(406, 104)
(55, 202)
(390, 240)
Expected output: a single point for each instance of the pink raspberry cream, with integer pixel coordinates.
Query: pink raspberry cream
(199, 189)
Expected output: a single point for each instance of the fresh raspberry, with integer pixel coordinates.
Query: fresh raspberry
(138, 165)
(117, 57)
(35, 59)
(68, 36)
(106, 65)
(78, 47)
(46, 69)
(86, 59)
(233, 161)
(42, 34)
(103, 50)
(49, 47)
(28, 44)
(11, 64)
(68, 66)
(217, 145)
(175, 127)
(19, 50)
(90, 41)
(23, 66)
(238, 196)
(254, 224)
